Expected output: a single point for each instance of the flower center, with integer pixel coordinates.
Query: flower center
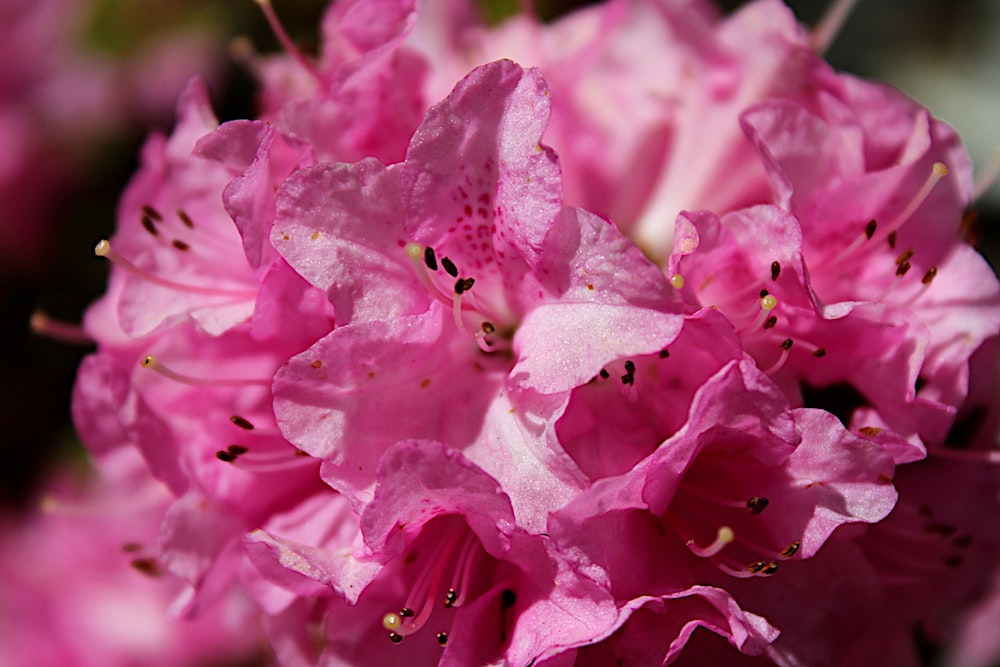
(474, 312)
(726, 530)
(445, 580)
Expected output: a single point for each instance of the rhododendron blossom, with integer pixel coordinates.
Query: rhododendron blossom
(620, 339)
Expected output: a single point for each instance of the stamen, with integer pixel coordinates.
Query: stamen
(185, 219)
(425, 589)
(241, 422)
(442, 638)
(775, 270)
(870, 229)
(786, 345)
(150, 362)
(904, 256)
(629, 377)
(231, 453)
(829, 26)
(764, 568)
(64, 332)
(757, 504)
(791, 549)
(664, 354)
(449, 267)
(285, 40)
(866, 235)
(768, 302)
(418, 258)
(938, 171)
(892, 239)
(104, 249)
(150, 212)
(457, 592)
(149, 225)
(429, 259)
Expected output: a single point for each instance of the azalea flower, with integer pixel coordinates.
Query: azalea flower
(460, 250)
(421, 408)
(84, 584)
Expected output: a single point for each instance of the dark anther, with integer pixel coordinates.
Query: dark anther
(406, 612)
(902, 269)
(771, 568)
(488, 328)
(962, 541)
(242, 423)
(892, 240)
(869, 431)
(770, 322)
(664, 354)
(757, 566)
(903, 256)
(148, 566)
(149, 226)
(940, 528)
(450, 597)
(151, 212)
(757, 504)
(763, 293)
(929, 276)
(394, 638)
(185, 218)
(430, 259)
(236, 450)
(442, 638)
(775, 270)
(787, 344)
(629, 377)
(180, 245)
(226, 456)
(449, 267)
(605, 374)
(954, 561)
(507, 598)
(870, 228)
(820, 352)
(464, 285)
(791, 549)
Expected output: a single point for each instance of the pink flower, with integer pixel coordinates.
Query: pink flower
(362, 97)
(444, 567)
(188, 342)
(743, 487)
(436, 260)
(84, 584)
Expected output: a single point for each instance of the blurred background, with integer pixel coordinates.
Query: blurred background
(82, 82)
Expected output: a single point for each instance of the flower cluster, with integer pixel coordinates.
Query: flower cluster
(549, 344)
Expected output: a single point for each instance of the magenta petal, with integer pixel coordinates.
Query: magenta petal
(477, 158)
(351, 396)
(351, 216)
(561, 346)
